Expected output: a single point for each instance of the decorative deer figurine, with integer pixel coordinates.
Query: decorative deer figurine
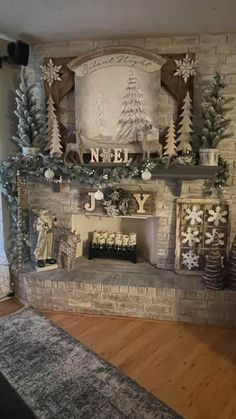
(75, 148)
(150, 142)
(67, 251)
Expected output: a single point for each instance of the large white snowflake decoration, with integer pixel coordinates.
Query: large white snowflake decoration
(185, 68)
(190, 260)
(51, 72)
(194, 215)
(211, 235)
(190, 236)
(217, 216)
(106, 155)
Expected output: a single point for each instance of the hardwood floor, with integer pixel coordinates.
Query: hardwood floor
(190, 367)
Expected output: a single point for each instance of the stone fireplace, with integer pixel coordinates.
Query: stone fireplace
(151, 288)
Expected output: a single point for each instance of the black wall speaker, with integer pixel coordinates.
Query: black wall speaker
(18, 52)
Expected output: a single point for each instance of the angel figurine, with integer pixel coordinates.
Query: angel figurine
(44, 225)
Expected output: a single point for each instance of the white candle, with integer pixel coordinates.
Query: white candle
(119, 235)
(125, 240)
(118, 241)
(101, 240)
(95, 236)
(133, 238)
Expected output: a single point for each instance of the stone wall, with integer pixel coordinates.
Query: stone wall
(214, 53)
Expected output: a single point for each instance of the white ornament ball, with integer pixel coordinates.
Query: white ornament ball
(49, 174)
(146, 175)
(99, 195)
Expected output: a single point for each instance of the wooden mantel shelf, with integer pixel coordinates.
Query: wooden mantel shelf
(185, 172)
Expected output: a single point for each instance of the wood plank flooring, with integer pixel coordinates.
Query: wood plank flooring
(190, 367)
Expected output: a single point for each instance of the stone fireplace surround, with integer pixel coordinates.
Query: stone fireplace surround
(148, 289)
(156, 230)
(186, 298)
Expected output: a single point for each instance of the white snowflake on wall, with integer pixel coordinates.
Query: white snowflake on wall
(185, 68)
(51, 72)
(190, 260)
(194, 215)
(190, 236)
(217, 216)
(211, 235)
(106, 155)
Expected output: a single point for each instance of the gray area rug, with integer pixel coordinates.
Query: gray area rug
(58, 377)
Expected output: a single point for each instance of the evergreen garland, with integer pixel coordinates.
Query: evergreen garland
(213, 113)
(32, 125)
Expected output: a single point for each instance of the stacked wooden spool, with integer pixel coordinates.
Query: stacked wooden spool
(213, 275)
(231, 267)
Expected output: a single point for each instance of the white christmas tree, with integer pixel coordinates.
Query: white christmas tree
(185, 129)
(133, 117)
(32, 125)
(100, 114)
(55, 145)
(170, 146)
(50, 113)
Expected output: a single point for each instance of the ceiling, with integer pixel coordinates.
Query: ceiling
(57, 20)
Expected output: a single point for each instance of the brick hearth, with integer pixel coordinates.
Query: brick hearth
(124, 289)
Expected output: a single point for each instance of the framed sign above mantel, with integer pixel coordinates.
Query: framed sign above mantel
(110, 85)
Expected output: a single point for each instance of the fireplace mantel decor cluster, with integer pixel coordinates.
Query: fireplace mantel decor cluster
(112, 153)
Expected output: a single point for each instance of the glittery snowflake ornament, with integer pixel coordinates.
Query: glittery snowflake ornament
(185, 68)
(212, 235)
(51, 72)
(194, 215)
(190, 260)
(217, 216)
(190, 237)
(106, 155)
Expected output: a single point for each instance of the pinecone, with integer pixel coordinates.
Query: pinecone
(213, 275)
(231, 267)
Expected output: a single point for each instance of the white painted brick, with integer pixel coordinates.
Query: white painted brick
(231, 58)
(210, 69)
(232, 38)
(101, 43)
(211, 49)
(228, 68)
(136, 42)
(230, 79)
(226, 49)
(212, 58)
(214, 39)
(185, 40)
(152, 43)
